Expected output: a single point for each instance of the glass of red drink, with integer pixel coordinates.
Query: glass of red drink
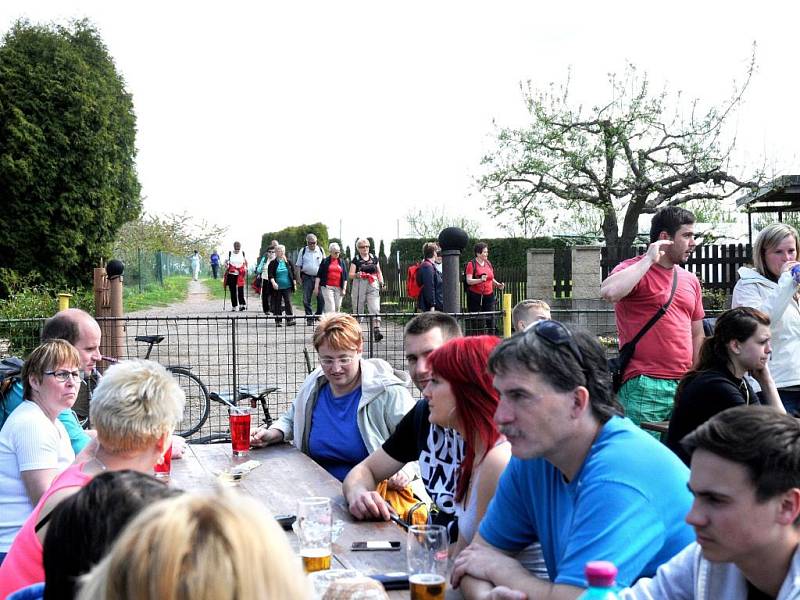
(164, 466)
(240, 429)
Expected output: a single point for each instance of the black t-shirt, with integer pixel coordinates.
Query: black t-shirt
(708, 393)
(439, 451)
(370, 265)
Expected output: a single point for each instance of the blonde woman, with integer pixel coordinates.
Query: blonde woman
(331, 279)
(770, 288)
(367, 278)
(215, 547)
(134, 408)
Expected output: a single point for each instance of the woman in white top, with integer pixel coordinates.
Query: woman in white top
(34, 446)
(771, 288)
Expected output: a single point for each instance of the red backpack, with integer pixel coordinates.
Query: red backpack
(413, 287)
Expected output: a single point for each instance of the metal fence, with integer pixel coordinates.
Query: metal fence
(244, 350)
(145, 268)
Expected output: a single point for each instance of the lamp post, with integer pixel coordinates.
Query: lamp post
(452, 241)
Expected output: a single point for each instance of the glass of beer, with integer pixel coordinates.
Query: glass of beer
(426, 552)
(314, 528)
(240, 429)
(164, 466)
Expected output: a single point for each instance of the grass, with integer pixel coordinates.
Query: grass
(174, 290)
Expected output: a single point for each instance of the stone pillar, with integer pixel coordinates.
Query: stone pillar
(540, 274)
(586, 272)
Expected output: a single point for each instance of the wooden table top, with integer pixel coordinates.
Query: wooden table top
(284, 476)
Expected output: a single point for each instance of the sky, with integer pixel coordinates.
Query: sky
(260, 115)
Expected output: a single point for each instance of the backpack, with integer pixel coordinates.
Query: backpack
(474, 268)
(413, 285)
(10, 371)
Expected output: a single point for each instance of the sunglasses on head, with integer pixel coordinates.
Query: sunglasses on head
(556, 334)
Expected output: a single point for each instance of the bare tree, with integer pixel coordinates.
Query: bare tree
(614, 162)
(428, 222)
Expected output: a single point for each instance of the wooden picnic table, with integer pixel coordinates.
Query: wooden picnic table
(284, 476)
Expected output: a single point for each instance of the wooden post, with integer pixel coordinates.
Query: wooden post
(63, 301)
(102, 308)
(116, 329)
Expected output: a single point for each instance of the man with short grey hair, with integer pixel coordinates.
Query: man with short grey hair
(580, 480)
(308, 262)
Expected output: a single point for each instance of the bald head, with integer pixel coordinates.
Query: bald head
(78, 328)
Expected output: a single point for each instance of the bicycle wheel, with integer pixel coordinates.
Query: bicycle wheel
(197, 407)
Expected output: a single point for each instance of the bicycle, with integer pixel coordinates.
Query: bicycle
(198, 398)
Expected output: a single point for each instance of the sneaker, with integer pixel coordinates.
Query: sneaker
(233, 309)
(377, 335)
(279, 324)
(291, 323)
(242, 307)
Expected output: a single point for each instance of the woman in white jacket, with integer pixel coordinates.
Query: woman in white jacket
(771, 288)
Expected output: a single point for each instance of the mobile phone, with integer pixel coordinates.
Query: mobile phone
(375, 545)
(392, 581)
(285, 521)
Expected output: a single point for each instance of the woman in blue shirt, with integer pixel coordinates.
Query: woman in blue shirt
(355, 403)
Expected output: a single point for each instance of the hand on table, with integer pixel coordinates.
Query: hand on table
(369, 505)
(261, 436)
(482, 562)
(398, 481)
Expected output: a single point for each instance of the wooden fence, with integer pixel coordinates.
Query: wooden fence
(716, 265)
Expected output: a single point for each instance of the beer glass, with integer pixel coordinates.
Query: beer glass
(314, 529)
(426, 552)
(239, 417)
(163, 468)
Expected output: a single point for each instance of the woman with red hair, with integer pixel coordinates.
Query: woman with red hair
(461, 396)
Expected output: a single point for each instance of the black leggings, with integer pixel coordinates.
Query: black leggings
(282, 297)
(232, 281)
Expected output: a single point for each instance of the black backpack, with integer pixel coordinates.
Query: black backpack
(10, 371)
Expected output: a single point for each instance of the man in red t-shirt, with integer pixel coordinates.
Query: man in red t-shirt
(638, 287)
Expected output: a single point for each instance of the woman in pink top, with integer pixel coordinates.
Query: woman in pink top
(134, 409)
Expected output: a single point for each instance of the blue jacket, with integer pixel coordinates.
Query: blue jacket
(431, 294)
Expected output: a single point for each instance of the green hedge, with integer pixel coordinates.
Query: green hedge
(294, 238)
(509, 252)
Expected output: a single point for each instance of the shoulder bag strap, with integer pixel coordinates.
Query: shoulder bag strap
(659, 313)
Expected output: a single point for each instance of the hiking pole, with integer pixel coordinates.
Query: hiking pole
(224, 292)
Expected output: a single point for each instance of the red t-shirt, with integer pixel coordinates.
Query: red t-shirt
(665, 352)
(334, 273)
(485, 288)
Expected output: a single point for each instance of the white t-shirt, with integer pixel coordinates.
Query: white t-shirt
(28, 441)
(236, 259)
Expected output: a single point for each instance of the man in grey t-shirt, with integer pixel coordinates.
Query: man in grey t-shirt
(308, 264)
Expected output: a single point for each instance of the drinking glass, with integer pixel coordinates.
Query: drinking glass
(426, 552)
(314, 528)
(239, 417)
(164, 466)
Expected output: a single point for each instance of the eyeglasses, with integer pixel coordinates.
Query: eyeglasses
(343, 361)
(557, 334)
(63, 375)
(311, 243)
(364, 247)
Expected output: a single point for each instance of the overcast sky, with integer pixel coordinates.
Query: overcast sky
(261, 115)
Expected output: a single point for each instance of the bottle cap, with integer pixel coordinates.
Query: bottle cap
(600, 573)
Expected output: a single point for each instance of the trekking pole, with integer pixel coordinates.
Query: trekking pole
(224, 294)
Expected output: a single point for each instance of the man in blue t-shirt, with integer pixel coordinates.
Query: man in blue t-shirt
(584, 481)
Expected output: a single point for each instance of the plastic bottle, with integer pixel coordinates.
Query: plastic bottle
(796, 273)
(601, 576)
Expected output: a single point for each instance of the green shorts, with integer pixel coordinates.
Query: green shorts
(648, 399)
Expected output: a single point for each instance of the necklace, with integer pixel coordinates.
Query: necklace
(100, 464)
